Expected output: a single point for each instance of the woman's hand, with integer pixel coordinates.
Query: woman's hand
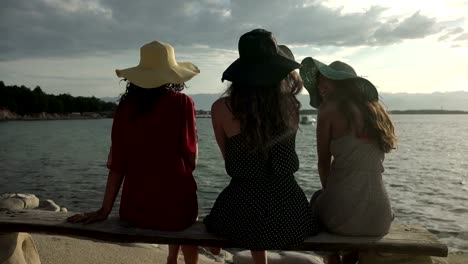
(114, 180)
(89, 217)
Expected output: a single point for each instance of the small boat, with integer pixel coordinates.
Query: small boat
(307, 120)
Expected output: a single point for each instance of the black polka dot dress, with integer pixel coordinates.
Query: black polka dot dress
(263, 207)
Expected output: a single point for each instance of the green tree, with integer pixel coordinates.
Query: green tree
(40, 101)
(25, 101)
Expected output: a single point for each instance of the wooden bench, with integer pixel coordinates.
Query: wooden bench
(404, 239)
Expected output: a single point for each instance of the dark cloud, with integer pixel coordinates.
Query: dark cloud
(43, 28)
(319, 25)
(413, 27)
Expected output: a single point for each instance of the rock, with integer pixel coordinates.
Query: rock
(10, 201)
(223, 256)
(244, 257)
(388, 258)
(458, 257)
(12, 204)
(6, 114)
(18, 248)
(300, 258)
(49, 205)
(227, 257)
(438, 260)
(5, 195)
(18, 201)
(287, 257)
(30, 200)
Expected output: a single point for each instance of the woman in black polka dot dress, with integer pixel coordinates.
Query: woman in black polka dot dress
(255, 126)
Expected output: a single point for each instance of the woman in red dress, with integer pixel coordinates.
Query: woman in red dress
(154, 149)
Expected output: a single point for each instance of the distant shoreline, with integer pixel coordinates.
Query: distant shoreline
(207, 114)
(6, 115)
(405, 112)
(428, 112)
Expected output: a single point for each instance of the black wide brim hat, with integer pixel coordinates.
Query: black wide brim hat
(261, 61)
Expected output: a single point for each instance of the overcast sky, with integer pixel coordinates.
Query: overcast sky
(74, 46)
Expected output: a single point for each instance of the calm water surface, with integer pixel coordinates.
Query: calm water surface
(426, 177)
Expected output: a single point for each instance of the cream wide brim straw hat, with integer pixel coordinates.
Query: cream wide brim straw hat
(158, 67)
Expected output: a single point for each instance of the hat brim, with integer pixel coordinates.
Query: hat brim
(150, 78)
(284, 51)
(311, 69)
(266, 72)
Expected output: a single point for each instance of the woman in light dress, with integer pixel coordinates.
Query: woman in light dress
(354, 133)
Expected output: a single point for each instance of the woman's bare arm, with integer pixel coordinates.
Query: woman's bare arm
(193, 158)
(114, 181)
(324, 128)
(218, 113)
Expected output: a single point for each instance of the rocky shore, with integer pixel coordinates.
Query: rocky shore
(24, 248)
(7, 115)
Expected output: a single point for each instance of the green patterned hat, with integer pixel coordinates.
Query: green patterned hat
(337, 70)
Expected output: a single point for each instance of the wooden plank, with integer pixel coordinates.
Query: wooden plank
(405, 239)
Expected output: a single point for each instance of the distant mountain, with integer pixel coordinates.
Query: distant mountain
(396, 101)
(393, 101)
(438, 101)
(110, 99)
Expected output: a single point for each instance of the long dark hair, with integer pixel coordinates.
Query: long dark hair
(266, 112)
(147, 97)
(377, 122)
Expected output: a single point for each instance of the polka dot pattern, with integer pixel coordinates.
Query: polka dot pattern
(263, 207)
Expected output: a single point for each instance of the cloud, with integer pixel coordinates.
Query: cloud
(45, 28)
(461, 37)
(450, 33)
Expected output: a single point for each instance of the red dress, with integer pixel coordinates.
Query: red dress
(152, 150)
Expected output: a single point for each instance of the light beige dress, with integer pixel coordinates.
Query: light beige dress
(355, 202)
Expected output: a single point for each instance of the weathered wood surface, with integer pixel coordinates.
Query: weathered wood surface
(405, 239)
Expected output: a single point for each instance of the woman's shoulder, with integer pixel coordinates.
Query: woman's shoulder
(220, 105)
(123, 104)
(328, 108)
(179, 96)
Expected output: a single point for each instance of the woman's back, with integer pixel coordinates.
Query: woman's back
(340, 124)
(280, 162)
(158, 134)
(355, 201)
(150, 148)
(263, 207)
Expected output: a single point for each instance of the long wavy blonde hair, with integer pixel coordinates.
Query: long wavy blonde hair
(377, 122)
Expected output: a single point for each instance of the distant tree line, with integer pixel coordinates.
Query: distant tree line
(24, 101)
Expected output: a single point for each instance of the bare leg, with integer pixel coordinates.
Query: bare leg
(190, 254)
(259, 257)
(173, 254)
(334, 259)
